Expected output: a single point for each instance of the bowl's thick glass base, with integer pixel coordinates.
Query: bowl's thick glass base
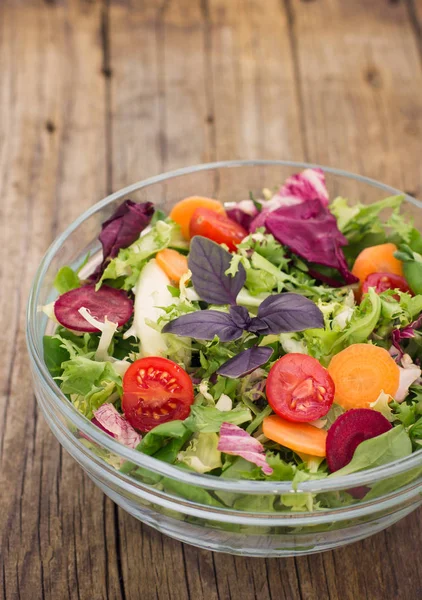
(248, 544)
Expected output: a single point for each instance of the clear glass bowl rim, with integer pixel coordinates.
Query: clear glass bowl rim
(148, 462)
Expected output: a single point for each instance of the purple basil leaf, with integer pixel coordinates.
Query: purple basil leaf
(245, 362)
(240, 316)
(310, 231)
(124, 226)
(205, 325)
(284, 313)
(209, 262)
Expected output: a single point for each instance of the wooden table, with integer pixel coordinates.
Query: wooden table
(96, 95)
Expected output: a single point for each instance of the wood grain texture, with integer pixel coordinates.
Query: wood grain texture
(95, 95)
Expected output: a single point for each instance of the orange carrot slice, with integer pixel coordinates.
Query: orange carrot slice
(173, 263)
(360, 373)
(377, 259)
(300, 437)
(182, 211)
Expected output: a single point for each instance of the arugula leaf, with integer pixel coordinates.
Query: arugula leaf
(377, 451)
(66, 280)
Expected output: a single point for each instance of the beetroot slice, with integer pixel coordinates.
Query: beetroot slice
(348, 431)
(107, 302)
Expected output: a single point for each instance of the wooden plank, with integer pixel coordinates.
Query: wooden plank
(359, 80)
(158, 122)
(253, 81)
(360, 76)
(52, 166)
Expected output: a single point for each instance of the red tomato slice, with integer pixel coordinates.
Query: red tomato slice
(216, 227)
(156, 390)
(299, 388)
(385, 281)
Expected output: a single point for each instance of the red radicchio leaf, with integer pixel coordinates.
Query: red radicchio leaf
(307, 185)
(237, 442)
(244, 212)
(124, 226)
(310, 231)
(121, 230)
(113, 423)
(405, 333)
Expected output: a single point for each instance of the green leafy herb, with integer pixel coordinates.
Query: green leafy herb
(66, 280)
(209, 419)
(377, 451)
(54, 355)
(90, 383)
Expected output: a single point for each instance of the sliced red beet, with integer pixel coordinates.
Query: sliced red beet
(106, 302)
(349, 430)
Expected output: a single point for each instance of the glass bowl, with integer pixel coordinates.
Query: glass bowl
(210, 512)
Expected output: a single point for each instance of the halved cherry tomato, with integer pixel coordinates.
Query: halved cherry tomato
(156, 390)
(216, 227)
(299, 388)
(385, 281)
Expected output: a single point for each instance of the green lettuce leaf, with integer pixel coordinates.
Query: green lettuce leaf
(208, 419)
(202, 455)
(66, 280)
(54, 355)
(161, 435)
(377, 451)
(90, 383)
(358, 220)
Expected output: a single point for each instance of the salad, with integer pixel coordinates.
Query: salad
(279, 338)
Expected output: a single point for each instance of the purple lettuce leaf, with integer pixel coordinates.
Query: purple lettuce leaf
(237, 442)
(208, 263)
(205, 325)
(245, 362)
(310, 231)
